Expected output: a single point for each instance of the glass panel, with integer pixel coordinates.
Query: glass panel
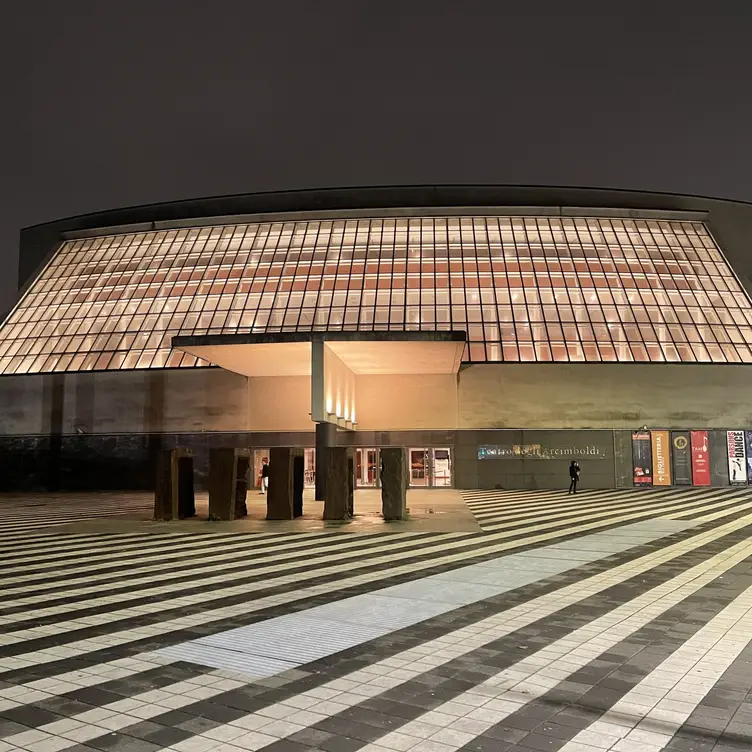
(366, 467)
(419, 467)
(442, 467)
(570, 289)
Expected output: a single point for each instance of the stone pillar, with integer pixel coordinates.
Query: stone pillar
(338, 504)
(284, 497)
(228, 485)
(173, 495)
(326, 436)
(394, 483)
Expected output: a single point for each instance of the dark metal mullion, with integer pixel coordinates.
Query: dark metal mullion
(634, 279)
(584, 259)
(473, 220)
(522, 282)
(133, 285)
(712, 281)
(391, 275)
(168, 270)
(493, 281)
(149, 312)
(189, 297)
(421, 220)
(378, 268)
(603, 222)
(282, 275)
(323, 274)
(231, 265)
(730, 271)
(334, 282)
(652, 323)
(407, 264)
(538, 288)
(599, 303)
(81, 279)
(433, 275)
(63, 315)
(668, 297)
(308, 272)
(126, 286)
(551, 286)
(273, 261)
(509, 287)
(360, 223)
(493, 289)
(258, 234)
(249, 228)
(684, 301)
(174, 317)
(202, 280)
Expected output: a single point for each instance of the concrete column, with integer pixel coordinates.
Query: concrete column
(338, 504)
(228, 468)
(284, 497)
(394, 483)
(173, 495)
(326, 436)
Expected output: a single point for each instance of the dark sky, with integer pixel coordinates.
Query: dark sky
(112, 103)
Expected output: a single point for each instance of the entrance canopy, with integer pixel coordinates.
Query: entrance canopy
(289, 354)
(331, 359)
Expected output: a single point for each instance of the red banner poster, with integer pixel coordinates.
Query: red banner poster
(700, 458)
(642, 460)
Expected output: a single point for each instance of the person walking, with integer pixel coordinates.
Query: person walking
(264, 475)
(574, 476)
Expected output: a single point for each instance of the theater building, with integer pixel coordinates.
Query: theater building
(496, 333)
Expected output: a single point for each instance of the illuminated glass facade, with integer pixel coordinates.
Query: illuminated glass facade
(526, 288)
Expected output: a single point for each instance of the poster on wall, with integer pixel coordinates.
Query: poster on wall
(748, 442)
(642, 458)
(682, 458)
(661, 458)
(700, 458)
(737, 458)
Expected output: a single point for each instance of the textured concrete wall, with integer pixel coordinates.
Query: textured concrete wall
(124, 402)
(398, 403)
(601, 395)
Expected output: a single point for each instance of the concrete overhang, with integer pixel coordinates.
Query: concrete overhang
(289, 354)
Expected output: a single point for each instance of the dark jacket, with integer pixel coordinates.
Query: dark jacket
(574, 471)
(265, 471)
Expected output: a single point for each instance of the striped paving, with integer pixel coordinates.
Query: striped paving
(610, 620)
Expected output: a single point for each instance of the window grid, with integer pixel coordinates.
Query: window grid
(573, 289)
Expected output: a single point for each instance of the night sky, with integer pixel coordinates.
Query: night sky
(111, 103)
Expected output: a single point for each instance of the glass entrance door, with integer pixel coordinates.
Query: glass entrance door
(430, 467)
(310, 468)
(367, 467)
(420, 467)
(441, 470)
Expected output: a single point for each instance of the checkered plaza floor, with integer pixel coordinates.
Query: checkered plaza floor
(609, 620)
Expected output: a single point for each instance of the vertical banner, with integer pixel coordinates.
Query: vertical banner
(737, 458)
(748, 442)
(641, 458)
(682, 458)
(700, 458)
(661, 458)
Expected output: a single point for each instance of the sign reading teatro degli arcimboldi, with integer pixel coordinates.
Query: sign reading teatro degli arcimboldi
(541, 452)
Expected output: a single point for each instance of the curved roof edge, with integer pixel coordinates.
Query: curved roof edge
(729, 220)
(386, 197)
